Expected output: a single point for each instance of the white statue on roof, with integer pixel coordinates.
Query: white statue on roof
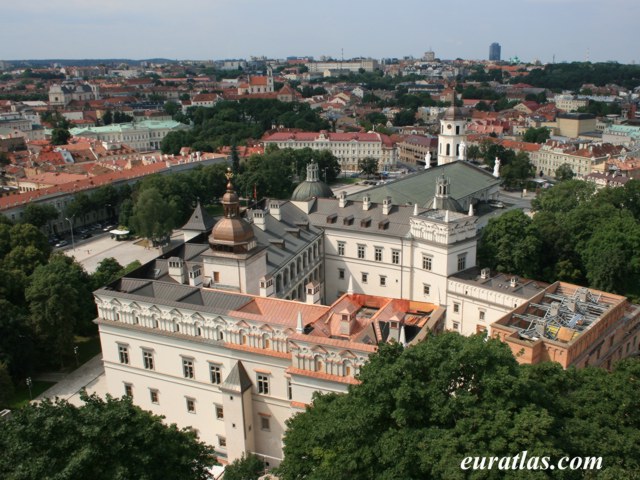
(427, 160)
(496, 168)
(462, 151)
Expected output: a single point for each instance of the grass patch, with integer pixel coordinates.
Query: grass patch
(345, 181)
(21, 394)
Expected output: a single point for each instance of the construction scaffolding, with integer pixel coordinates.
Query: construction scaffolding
(561, 318)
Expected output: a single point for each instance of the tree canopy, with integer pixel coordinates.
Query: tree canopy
(103, 439)
(418, 412)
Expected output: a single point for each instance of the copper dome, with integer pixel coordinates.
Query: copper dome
(231, 231)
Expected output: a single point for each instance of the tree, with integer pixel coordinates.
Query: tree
(235, 159)
(107, 118)
(171, 108)
(152, 215)
(418, 412)
(473, 152)
(102, 439)
(60, 136)
(368, 166)
(517, 171)
(60, 305)
(108, 270)
(404, 117)
(249, 467)
(6, 385)
(564, 172)
(39, 215)
(536, 135)
(509, 244)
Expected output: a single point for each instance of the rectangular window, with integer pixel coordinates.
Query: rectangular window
(187, 367)
(456, 326)
(361, 251)
(153, 394)
(263, 384)
(341, 273)
(378, 254)
(427, 262)
(265, 423)
(426, 289)
(395, 257)
(365, 277)
(123, 352)
(215, 373)
(222, 441)
(456, 308)
(128, 390)
(383, 281)
(481, 314)
(147, 359)
(219, 412)
(289, 389)
(191, 405)
(341, 248)
(462, 261)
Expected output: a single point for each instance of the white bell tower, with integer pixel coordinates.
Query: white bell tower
(452, 135)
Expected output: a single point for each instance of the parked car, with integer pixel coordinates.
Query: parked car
(61, 243)
(496, 204)
(108, 227)
(86, 235)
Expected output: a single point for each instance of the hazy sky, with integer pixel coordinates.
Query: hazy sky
(599, 30)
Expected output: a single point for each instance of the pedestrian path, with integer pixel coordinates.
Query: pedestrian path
(86, 376)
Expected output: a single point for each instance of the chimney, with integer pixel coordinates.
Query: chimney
(513, 282)
(313, 293)
(299, 325)
(258, 219)
(266, 287)
(195, 276)
(176, 270)
(342, 199)
(386, 206)
(274, 209)
(554, 309)
(366, 202)
(485, 273)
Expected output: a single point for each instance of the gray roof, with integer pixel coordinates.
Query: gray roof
(289, 228)
(500, 282)
(200, 221)
(327, 213)
(238, 380)
(420, 188)
(173, 294)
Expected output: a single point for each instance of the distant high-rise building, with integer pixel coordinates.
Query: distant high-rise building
(494, 52)
(429, 56)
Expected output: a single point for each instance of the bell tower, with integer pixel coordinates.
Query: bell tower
(451, 139)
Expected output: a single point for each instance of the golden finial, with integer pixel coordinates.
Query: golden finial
(229, 174)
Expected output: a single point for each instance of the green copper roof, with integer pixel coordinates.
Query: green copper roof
(123, 127)
(420, 187)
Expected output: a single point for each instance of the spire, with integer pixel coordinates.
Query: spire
(403, 337)
(350, 286)
(470, 209)
(299, 326)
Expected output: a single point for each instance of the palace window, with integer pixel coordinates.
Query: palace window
(215, 374)
(147, 359)
(341, 248)
(263, 384)
(123, 353)
(153, 394)
(427, 262)
(462, 261)
(361, 250)
(187, 368)
(395, 257)
(378, 254)
(191, 405)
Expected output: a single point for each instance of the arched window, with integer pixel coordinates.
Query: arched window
(448, 149)
(243, 338)
(348, 368)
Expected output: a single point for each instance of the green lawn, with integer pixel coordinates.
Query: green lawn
(21, 395)
(345, 181)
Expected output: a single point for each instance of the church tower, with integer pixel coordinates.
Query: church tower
(452, 134)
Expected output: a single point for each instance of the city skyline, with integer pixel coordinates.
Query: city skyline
(545, 30)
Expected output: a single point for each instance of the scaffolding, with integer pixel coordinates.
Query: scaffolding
(561, 318)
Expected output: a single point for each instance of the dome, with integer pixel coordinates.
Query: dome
(232, 233)
(308, 189)
(453, 113)
(442, 199)
(312, 186)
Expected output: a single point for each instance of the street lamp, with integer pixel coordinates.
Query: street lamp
(73, 243)
(75, 351)
(29, 385)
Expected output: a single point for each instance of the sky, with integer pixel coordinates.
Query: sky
(567, 30)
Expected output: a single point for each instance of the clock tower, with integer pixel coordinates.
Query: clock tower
(452, 134)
